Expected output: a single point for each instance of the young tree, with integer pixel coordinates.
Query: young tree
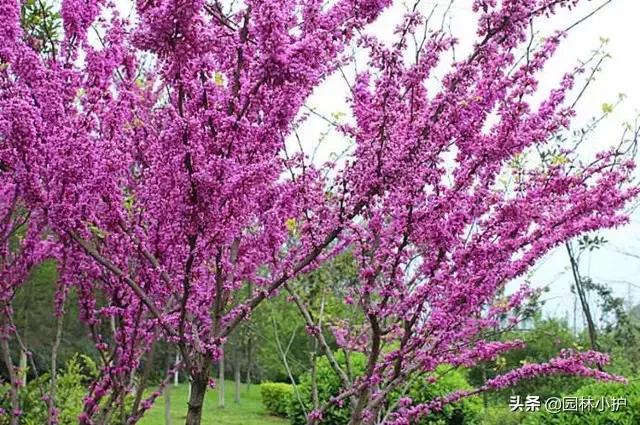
(157, 157)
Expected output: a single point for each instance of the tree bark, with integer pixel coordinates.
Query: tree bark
(167, 405)
(196, 397)
(176, 374)
(221, 378)
(249, 342)
(249, 361)
(54, 367)
(591, 327)
(13, 379)
(22, 368)
(236, 373)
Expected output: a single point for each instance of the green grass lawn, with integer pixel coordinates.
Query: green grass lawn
(249, 411)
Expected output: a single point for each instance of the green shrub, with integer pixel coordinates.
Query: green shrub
(70, 388)
(626, 415)
(275, 397)
(70, 392)
(501, 415)
(543, 341)
(465, 412)
(329, 385)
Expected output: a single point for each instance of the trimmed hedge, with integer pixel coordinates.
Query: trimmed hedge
(275, 397)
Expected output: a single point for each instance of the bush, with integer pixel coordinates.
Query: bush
(627, 415)
(544, 341)
(501, 415)
(329, 385)
(464, 412)
(276, 397)
(70, 392)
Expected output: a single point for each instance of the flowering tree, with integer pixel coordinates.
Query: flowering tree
(153, 164)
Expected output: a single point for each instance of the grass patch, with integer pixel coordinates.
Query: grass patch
(249, 411)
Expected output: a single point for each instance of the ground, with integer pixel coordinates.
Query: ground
(249, 411)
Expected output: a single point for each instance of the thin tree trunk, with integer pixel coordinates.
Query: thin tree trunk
(249, 342)
(167, 395)
(236, 373)
(283, 354)
(374, 354)
(167, 405)
(249, 360)
(22, 368)
(13, 379)
(176, 374)
(22, 363)
(314, 378)
(144, 378)
(485, 401)
(54, 367)
(221, 378)
(591, 327)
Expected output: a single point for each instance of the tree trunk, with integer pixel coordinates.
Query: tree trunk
(167, 393)
(13, 380)
(22, 368)
(221, 378)
(167, 405)
(358, 409)
(247, 378)
(196, 397)
(591, 327)
(176, 374)
(249, 344)
(54, 368)
(236, 373)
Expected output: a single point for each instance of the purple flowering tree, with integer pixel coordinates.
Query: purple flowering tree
(151, 163)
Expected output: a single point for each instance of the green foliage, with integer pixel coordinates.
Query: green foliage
(42, 25)
(276, 397)
(467, 411)
(33, 308)
(34, 411)
(70, 388)
(329, 385)
(501, 415)
(419, 390)
(323, 291)
(70, 391)
(543, 341)
(280, 321)
(627, 415)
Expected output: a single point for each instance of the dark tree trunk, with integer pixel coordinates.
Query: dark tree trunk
(13, 380)
(196, 398)
(591, 327)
